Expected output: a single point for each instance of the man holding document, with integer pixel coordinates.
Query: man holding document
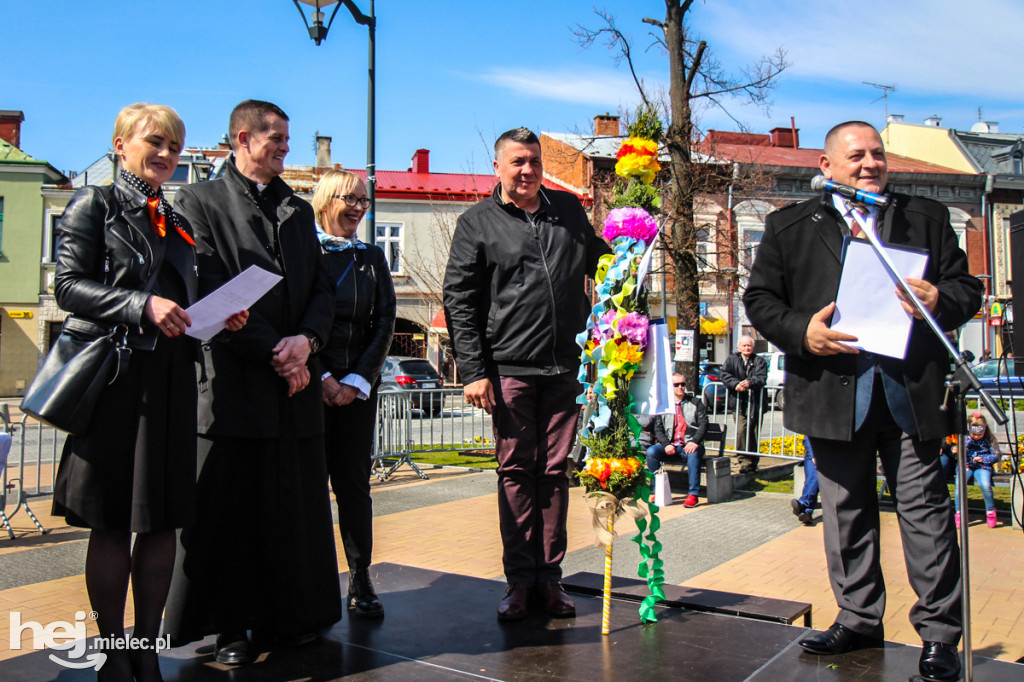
(852, 404)
(261, 555)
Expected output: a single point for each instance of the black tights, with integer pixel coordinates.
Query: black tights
(109, 565)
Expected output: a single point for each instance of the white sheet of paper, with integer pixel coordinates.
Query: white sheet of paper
(867, 306)
(210, 314)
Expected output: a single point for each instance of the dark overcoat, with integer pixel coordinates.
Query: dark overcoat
(246, 398)
(796, 274)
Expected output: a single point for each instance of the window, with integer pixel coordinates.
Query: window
(703, 237)
(389, 239)
(750, 216)
(51, 236)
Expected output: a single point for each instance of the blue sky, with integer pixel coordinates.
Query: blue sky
(453, 75)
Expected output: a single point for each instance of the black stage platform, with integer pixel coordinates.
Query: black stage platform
(441, 626)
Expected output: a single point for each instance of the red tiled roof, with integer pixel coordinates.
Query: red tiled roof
(417, 186)
(808, 158)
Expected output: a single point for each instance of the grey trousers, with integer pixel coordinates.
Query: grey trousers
(849, 509)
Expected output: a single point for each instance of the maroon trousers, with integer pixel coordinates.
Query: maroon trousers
(534, 426)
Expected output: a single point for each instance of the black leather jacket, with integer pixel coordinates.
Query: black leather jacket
(105, 258)
(364, 314)
(514, 295)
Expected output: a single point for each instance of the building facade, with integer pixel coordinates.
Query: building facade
(23, 331)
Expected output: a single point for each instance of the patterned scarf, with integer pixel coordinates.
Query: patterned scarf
(332, 243)
(159, 209)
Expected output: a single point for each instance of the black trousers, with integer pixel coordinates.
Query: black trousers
(348, 440)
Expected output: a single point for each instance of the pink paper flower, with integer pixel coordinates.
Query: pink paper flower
(634, 328)
(630, 222)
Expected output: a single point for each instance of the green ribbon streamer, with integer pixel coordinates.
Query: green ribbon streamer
(651, 566)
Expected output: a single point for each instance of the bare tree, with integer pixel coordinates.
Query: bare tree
(696, 80)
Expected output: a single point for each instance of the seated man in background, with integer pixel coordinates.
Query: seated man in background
(681, 435)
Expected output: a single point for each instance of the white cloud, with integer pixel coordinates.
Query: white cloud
(603, 88)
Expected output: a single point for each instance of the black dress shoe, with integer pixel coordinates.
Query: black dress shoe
(362, 600)
(555, 601)
(233, 648)
(839, 639)
(797, 507)
(806, 518)
(939, 662)
(515, 604)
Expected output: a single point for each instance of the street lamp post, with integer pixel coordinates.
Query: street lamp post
(318, 32)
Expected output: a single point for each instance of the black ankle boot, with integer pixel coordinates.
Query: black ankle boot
(362, 600)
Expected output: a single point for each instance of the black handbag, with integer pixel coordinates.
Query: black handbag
(75, 372)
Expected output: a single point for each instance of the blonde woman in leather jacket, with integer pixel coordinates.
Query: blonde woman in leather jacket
(125, 257)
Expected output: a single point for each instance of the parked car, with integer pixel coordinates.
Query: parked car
(416, 377)
(996, 376)
(713, 393)
(776, 361)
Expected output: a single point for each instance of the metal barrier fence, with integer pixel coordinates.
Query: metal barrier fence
(763, 432)
(410, 422)
(31, 468)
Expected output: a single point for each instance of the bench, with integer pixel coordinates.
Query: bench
(696, 599)
(717, 473)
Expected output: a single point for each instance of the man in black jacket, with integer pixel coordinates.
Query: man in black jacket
(514, 300)
(853, 405)
(745, 375)
(261, 555)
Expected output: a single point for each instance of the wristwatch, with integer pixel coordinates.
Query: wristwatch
(314, 343)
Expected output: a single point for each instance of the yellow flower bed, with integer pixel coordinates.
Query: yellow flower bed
(783, 445)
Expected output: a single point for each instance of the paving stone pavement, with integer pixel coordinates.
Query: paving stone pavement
(750, 545)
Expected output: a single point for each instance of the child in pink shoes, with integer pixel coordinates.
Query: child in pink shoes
(982, 453)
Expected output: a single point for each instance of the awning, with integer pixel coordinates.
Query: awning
(713, 326)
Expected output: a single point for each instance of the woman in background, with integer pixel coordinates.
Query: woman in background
(350, 364)
(125, 257)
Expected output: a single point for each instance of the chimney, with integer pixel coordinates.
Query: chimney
(785, 137)
(935, 121)
(894, 118)
(606, 125)
(421, 161)
(323, 151)
(224, 143)
(10, 126)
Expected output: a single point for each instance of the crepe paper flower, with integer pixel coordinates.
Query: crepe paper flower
(638, 157)
(630, 354)
(633, 327)
(598, 469)
(630, 222)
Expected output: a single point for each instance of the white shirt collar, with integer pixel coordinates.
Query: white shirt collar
(853, 215)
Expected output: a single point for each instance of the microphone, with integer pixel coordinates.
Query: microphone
(820, 182)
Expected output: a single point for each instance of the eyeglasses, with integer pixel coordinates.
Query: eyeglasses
(678, 384)
(352, 200)
(977, 428)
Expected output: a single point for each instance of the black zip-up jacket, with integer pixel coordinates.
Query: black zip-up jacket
(514, 295)
(364, 314)
(105, 259)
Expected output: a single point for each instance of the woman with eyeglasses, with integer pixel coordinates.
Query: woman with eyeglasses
(350, 365)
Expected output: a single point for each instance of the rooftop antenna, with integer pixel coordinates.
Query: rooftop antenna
(886, 89)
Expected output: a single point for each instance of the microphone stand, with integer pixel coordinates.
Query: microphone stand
(957, 399)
